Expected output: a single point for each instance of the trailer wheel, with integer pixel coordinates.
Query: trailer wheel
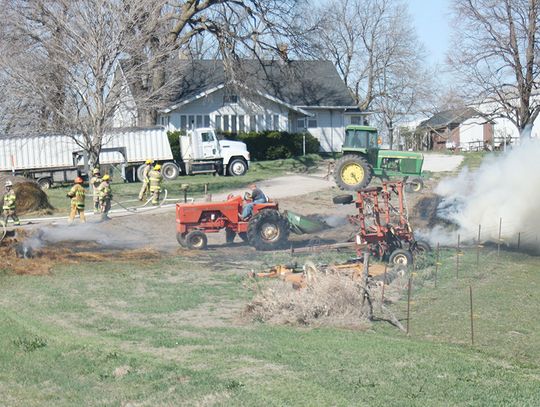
(196, 240)
(170, 171)
(140, 172)
(44, 183)
(181, 238)
(414, 185)
(401, 257)
(237, 167)
(268, 230)
(229, 235)
(352, 172)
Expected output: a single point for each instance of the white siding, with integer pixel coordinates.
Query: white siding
(471, 133)
(330, 130)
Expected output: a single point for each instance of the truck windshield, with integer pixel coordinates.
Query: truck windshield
(360, 139)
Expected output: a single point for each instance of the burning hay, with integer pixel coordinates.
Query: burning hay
(20, 258)
(30, 197)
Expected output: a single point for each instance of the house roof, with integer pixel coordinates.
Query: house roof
(449, 117)
(295, 83)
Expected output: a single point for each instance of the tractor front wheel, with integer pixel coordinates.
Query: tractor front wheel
(352, 172)
(268, 230)
(196, 240)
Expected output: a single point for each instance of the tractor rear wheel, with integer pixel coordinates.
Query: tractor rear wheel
(196, 240)
(229, 235)
(401, 257)
(352, 172)
(268, 230)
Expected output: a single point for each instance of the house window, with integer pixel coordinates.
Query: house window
(268, 122)
(191, 121)
(252, 123)
(260, 122)
(206, 120)
(356, 120)
(301, 124)
(199, 121)
(164, 120)
(276, 122)
(226, 123)
(234, 128)
(241, 124)
(183, 122)
(218, 122)
(312, 123)
(229, 99)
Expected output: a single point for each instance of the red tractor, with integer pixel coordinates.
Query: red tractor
(266, 229)
(383, 226)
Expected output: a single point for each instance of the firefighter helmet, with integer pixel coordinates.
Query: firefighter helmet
(149, 161)
(95, 171)
(157, 167)
(106, 177)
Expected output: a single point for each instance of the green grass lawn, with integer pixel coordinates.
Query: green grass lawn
(170, 333)
(258, 171)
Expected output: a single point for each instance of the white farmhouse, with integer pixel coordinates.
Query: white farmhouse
(292, 96)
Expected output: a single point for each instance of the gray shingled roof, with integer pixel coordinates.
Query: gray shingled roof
(298, 83)
(449, 117)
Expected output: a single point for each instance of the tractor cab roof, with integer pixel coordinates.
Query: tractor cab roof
(358, 127)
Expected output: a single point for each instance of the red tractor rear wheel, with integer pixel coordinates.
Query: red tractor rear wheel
(268, 230)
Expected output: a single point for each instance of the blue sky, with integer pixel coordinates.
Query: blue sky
(432, 23)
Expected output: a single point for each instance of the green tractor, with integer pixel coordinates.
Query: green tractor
(362, 160)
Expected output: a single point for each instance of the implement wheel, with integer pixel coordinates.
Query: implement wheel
(414, 185)
(196, 240)
(352, 173)
(268, 230)
(401, 257)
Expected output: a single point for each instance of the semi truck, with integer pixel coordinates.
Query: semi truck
(50, 159)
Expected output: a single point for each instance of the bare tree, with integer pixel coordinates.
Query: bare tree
(496, 56)
(377, 53)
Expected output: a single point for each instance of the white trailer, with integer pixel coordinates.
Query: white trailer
(49, 159)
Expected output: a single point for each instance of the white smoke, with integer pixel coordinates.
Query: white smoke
(506, 187)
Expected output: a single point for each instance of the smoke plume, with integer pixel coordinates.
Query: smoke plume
(506, 187)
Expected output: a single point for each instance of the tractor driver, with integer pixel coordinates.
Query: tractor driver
(256, 196)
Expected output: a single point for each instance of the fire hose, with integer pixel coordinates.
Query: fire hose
(3, 230)
(134, 209)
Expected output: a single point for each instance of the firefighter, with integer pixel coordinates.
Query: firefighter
(105, 197)
(95, 181)
(10, 205)
(146, 179)
(155, 179)
(77, 195)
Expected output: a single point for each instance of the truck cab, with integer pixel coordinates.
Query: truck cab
(202, 152)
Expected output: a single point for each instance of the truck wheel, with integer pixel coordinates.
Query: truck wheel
(170, 171)
(414, 185)
(44, 183)
(237, 167)
(352, 172)
(229, 235)
(140, 172)
(196, 240)
(401, 257)
(181, 238)
(268, 230)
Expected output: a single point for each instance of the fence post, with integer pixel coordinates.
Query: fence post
(499, 240)
(519, 240)
(478, 249)
(437, 263)
(457, 255)
(409, 305)
(472, 316)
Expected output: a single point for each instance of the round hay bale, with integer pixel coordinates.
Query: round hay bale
(30, 197)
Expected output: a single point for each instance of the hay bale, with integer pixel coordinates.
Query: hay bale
(30, 197)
